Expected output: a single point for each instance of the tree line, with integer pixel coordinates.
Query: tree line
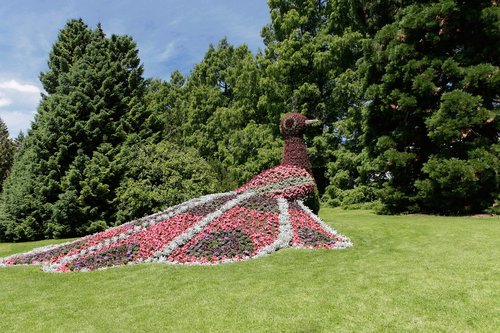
(407, 92)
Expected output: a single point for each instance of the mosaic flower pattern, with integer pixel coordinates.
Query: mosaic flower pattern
(263, 216)
(237, 227)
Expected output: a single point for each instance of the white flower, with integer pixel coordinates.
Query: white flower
(285, 230)
(197, 228)
(345, 243)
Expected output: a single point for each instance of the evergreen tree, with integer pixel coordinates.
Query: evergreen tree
(430, 127)
(95, 88)
(18, 141)
(34, 184)
(70, 46)
(349, 172)
(384, 115)
(23, 208)
(7, 149)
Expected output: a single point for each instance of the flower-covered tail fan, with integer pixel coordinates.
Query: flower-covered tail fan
(264, 215)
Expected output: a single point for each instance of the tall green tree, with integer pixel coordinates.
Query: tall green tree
(94, 100)
(308, 67)
(23, 207)
(34, 184)
(223, 119)
(349, 172)
(69, 48)
(7, 149)
(431, 82)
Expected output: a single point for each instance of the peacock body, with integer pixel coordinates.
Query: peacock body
(264, 215)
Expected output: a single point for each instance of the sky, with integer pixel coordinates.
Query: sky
(170, 35)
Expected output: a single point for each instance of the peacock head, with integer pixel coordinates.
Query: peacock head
(294, 124)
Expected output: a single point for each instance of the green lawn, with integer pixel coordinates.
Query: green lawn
(404, 274)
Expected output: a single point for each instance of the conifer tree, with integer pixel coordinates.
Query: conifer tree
(7, 149)
(68, 179)
(430, 127)
(18, 141)
(70, 46)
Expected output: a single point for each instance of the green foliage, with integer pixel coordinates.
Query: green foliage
(457, 117)
(69, 48)
(429, 119)
(407, 93)
(64, 177)
(159, 176)
(163, 103)
(21, 198)
(394, 84)
(7, 149)
(221, 118)
(348, 185)
(19, 140)
(308, 67)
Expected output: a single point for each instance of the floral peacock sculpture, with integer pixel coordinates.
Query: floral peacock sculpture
(264, 215)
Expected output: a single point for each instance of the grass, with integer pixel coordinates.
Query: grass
(404, 274)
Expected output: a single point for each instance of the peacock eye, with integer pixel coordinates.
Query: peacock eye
(290, 123)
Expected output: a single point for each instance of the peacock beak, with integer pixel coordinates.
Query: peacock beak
(312, 122)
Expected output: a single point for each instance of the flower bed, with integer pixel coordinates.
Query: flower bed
(213, 229)
(238, 233)
(236, 227)
(262, 216)
(307, 233)
(42, 255)
(276, 175)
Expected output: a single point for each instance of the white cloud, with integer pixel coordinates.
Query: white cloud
(4, 101)
(17, 121)
(18, 104)
(20, 87)
(168, 52)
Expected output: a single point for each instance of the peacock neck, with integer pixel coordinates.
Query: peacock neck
(296, 153)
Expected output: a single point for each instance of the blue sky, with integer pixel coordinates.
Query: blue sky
(170, 34)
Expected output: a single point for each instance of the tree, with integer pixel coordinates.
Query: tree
(159, 176)
(7, 149)
(164, 103)
(308, 67)
(380, 75)
(431, 83)
(23, 208)
(95, 88)
(222, 118)
(69, 48)
(18, 141)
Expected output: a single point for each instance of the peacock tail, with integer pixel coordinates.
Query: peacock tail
(264, 215)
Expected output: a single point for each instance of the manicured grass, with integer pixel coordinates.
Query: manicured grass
(404, 274)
